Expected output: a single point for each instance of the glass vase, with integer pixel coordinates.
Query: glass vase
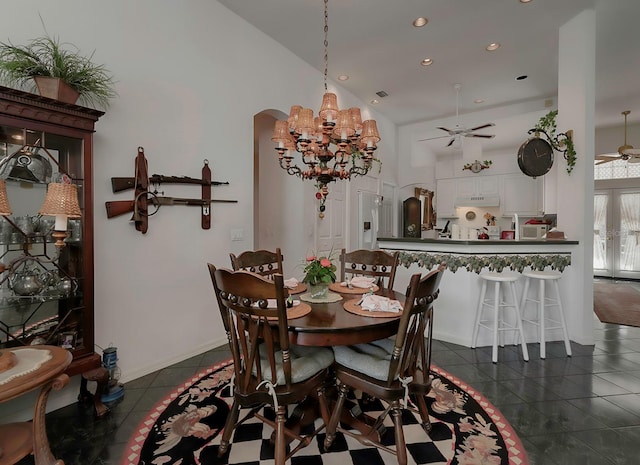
(319, 291)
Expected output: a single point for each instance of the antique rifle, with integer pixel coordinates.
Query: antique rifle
(120, 207)
(119, 184)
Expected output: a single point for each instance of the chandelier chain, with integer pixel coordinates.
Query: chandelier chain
(335, 145)
(326, 43)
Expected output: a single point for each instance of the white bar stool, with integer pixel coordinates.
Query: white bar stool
(498, 324)
(543, 302)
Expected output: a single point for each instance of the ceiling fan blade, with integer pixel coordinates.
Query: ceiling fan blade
(445, 129)
(432, 138)
(484, 136)
(451, 142)
(607, 158)
(488, 125)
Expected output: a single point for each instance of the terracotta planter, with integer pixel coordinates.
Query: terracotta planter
(56, 89)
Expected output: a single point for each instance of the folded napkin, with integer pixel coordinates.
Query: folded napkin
(363, 282)
(378, 303)
(291, 283)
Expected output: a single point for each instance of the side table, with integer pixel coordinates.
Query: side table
(36, 367)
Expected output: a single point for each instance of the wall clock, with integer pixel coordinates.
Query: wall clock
(535, 157)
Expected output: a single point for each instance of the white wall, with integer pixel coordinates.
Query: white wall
(190, 78)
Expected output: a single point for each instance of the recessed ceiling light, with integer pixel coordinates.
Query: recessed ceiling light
(493, 46)
(343, 77)
(525, 1)
(421, 21)
(375, 101)
(522, 78)
(426, 62)
(478, 100)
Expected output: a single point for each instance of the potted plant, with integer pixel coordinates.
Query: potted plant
(561, 142)
(319, 272)
(56, 67)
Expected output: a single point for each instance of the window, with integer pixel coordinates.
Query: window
(617, 169)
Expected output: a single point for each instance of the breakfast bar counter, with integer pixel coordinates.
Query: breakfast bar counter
(460, 286)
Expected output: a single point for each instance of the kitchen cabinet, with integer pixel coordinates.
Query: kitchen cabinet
(522, 195)
(477, 186)
(445, 198)
(46, 291)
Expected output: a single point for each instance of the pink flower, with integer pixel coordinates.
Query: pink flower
(325, 262)
(311, 258)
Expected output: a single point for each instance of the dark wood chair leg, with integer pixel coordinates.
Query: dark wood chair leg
(101, 376)
(332, 426)
(424, 414)
(232, 418)
(281, 440)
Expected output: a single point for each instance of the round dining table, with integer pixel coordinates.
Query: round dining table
(329, 324)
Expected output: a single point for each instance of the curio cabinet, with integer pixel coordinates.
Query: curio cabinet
(46, 255)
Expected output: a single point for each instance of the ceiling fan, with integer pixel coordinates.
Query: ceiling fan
(460, 131)
(625, 152)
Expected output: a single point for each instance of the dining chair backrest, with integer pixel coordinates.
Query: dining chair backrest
(262, 262)
(247, 303)
(377, 264)
(412, 354)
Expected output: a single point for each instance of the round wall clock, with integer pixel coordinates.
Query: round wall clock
(476, 167)
(535, 157)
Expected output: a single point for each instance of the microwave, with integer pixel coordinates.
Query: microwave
(533, 231)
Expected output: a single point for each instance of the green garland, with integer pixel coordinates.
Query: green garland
(547, 124)
(477, 263)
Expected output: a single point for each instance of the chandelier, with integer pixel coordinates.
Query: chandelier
(334, 145)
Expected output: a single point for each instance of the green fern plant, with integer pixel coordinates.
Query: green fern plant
(47, 56)
(562, 142)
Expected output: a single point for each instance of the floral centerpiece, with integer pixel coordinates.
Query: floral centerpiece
(319, 272)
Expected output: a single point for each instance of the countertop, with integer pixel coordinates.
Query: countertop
(479, 242)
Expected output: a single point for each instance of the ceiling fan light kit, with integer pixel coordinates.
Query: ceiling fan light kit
(626, 151)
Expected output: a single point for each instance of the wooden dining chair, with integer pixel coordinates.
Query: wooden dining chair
(377, 264)
(391, 370)
(262, 262)
(269, 372)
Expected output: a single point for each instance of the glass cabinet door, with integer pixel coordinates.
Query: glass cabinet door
(42, 287)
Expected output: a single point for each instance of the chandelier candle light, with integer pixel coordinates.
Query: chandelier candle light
(334, 145)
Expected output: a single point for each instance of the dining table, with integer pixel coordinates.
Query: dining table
(329, 324)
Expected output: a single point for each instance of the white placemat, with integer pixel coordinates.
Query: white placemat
(28, 360)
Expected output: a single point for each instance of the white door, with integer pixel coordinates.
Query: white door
(388, 200)
(369, 205)
(330, 230)
(616, 233)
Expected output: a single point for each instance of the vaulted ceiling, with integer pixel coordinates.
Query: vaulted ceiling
(376, 45)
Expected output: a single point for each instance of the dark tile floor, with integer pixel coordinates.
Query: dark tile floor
(579, 410)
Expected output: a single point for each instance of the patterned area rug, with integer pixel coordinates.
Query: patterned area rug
(616, 303)
(185, 429)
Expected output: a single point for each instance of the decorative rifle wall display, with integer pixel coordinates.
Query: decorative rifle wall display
(146, 203)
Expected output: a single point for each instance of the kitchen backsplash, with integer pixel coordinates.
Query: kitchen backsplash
(470, 217)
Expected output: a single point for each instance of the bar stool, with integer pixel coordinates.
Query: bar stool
(498, 324)
(542, 303)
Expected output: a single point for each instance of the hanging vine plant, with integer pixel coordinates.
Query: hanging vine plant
(563, 142)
